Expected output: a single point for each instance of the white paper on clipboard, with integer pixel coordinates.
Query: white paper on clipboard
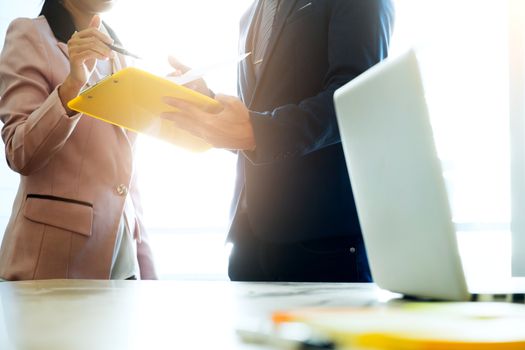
(197, 73)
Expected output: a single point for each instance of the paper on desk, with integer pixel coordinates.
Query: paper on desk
(194, 74)
(436, 326)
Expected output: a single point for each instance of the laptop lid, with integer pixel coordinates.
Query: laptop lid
(397, 181)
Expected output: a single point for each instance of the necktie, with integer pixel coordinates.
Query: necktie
(264, 31)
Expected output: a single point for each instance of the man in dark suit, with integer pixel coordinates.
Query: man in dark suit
(294, 217)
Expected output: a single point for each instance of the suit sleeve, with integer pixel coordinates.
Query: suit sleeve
(358, 37)
(36, 125)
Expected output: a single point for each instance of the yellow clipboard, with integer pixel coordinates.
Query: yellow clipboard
(132, 99)
(417, 326)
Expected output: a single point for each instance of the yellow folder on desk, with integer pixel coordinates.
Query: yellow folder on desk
(132, 98)
(418, 326)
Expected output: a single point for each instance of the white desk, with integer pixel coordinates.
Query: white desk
(99, 315)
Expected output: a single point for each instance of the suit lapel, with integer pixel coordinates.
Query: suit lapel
(285, 8)
(246, 72)
(63, 48)
(246, 34)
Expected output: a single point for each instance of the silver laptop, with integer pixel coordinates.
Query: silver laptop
(398, 185)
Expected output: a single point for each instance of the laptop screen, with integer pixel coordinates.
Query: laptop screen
(397, 180)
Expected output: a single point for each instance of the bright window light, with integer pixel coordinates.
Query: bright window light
(464, 65)
(464, 59)
(463, 50)
(186, 196)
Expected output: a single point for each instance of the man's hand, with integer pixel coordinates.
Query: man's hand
(230, 128)
(198, 85)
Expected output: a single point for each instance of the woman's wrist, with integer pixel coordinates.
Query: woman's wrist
(68, 91)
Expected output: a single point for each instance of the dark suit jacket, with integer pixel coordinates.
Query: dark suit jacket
(296, 183)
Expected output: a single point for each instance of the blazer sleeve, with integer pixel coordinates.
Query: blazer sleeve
(144, 252)
(36, 125)
(358, 36)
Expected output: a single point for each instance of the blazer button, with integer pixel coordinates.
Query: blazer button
(122, 190)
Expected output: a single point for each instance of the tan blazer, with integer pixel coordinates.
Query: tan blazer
(75, 172)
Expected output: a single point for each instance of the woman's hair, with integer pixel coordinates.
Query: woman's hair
(61, 21)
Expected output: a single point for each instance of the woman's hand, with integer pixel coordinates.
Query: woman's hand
(84, 48)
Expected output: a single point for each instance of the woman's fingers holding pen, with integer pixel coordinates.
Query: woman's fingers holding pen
(93, 33)
(84, 48)
(89, 44)
(86, 58)
(91, 39)
(93, 30)
(83, 58)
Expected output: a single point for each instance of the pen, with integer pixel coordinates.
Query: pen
(284, 340)
(122, 51)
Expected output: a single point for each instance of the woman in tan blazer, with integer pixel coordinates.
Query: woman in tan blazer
(77, 213)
